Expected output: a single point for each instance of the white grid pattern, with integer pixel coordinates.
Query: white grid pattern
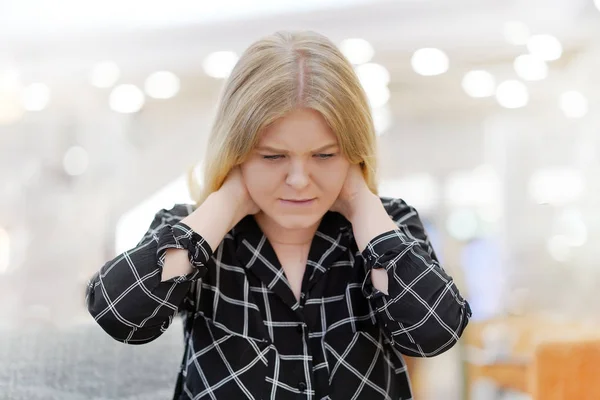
(246, 334)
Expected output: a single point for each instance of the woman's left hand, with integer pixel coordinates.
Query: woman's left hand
(353, 191)
(364, 210)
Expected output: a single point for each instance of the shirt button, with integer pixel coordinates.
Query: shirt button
(302, 386)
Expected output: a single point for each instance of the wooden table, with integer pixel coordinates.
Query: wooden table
(549, 359)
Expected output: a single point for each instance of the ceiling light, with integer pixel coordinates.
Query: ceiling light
(372, 74)
(357, 51)
(479, 84)
(546, 47)
(516, 33)
(512, 94)
(75, 161)
(220, 63)
(162, 85)
(530, 67)
(35, 97)
(429, 62)
(126, 99)
(573, 104)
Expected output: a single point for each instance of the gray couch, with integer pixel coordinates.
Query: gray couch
(85, 363)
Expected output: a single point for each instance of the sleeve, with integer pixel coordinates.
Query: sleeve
(126, 296)
(423, 313)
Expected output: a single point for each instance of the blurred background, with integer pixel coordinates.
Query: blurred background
(488, 116)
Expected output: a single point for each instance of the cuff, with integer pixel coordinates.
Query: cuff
(386, 243)
(181, 236)
(382, 244)
(370, 291)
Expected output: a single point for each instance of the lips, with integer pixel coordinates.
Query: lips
(297, 202)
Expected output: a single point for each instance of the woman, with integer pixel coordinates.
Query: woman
(295, 280)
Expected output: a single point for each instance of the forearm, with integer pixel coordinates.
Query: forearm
(126, 296)
(133, 313)
(211, 220)
(369, 221)
(421, 308)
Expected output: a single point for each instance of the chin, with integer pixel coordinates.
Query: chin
(298, 221)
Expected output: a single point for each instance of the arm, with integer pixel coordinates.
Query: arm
(135, 296)
(417, 302)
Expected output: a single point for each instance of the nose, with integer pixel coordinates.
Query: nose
(297, 176)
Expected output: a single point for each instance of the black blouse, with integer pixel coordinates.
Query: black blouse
(246, 336)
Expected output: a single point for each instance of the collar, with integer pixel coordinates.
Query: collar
(256, 254)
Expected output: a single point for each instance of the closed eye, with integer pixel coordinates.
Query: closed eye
(273, 157)
(324, 156)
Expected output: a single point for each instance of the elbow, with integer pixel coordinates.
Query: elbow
(447, 332)
(114, 324)
(439, 343)
(124, 332)
(127, 334)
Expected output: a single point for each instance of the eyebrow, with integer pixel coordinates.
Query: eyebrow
(275, 150)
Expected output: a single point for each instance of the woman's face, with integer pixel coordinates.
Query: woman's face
(296, 171)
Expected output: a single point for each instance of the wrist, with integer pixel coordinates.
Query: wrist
(360, 203)
(370, 219)
(231, 204)
(212, 219)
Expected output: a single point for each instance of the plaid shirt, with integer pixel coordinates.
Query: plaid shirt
(246, 335)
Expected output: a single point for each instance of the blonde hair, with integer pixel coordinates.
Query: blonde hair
(276, 74)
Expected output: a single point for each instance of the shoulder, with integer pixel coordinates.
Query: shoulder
(398, 209)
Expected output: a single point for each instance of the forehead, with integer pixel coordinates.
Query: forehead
(301, 128)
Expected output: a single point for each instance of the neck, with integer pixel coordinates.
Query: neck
(280, 235)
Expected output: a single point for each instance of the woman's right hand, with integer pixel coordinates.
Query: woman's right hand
(235, 189)
(222, 210)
